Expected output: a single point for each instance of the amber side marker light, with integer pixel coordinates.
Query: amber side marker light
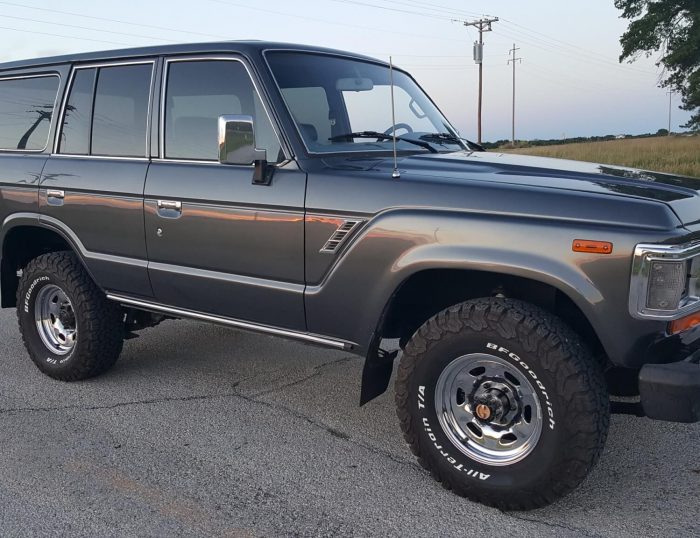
(683, 324)
(597, 247)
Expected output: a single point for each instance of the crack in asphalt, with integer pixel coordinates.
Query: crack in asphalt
(576, 530)
(253, 398)
(15, 410)
(332, 431)
(316, 370)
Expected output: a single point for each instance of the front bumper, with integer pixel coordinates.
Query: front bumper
(671, 392)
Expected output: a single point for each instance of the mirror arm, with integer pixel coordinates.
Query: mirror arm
(263, 172)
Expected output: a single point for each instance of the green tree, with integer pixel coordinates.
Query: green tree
(671, 27)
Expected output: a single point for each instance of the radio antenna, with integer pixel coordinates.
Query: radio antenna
(395, 174)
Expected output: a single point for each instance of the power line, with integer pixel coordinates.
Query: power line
(397, 10)
(326, 21)
(437, 8)
(118, 21)
(551, 44)
(60, 35)
(548, 41)
(578, 48)
(65, 25)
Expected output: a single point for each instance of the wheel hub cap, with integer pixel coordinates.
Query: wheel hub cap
(55, 320)
(488, 409)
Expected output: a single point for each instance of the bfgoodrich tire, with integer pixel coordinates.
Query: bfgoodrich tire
(502, 403)
(69, 328)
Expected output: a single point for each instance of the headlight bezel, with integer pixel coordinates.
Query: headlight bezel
(644, 257)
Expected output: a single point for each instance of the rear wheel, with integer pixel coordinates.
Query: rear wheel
(502, 403)
(69, 328)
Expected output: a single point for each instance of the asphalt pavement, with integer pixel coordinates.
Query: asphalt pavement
(204, 431)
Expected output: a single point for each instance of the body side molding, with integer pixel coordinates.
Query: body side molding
(229, 322)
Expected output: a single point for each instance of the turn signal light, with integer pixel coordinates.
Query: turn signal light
(597, 247)
(683, 324)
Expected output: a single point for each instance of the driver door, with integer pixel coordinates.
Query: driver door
(217, 243)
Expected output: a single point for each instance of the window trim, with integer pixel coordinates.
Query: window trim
(163, 93)
(69, 88)
(53, 115)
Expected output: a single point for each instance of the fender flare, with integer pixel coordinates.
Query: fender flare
(36, 220)
(378, 366)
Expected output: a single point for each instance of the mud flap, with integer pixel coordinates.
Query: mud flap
(376, 373)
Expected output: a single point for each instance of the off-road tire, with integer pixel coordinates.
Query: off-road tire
(552, 353)
(100, 327)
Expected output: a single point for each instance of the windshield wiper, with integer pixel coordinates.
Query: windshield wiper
(382, 136)
(448, 137)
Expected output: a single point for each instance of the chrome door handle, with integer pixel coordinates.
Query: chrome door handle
(169, 209)
(55, 197)
(169, 204)
(59, 195)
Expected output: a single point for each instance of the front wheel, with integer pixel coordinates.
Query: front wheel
(502, 403)
(69, 328)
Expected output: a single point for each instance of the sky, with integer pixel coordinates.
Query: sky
(569, 82)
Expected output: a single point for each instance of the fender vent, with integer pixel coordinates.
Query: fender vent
(339, 236)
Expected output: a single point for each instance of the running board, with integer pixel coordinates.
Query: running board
(228, 322)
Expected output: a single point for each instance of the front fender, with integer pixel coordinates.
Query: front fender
(352, 297)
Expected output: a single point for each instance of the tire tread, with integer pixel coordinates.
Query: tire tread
(101, 332)
(562, 354)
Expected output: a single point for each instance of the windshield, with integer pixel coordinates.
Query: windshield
(342, 104)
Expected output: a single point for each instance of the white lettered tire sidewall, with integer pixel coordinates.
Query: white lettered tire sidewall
(99, 322)
(452, 462)
(38, 350)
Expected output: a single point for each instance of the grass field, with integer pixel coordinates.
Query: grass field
(679, 155)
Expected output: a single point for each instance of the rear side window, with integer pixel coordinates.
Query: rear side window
(120, 121)
(200, 91)
(26, 107)
(77, 118)
(107, 112)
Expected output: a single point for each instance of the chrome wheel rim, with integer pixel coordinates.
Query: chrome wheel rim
(488, 409)
(55, 320)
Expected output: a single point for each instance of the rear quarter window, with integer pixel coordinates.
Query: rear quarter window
(26, 108)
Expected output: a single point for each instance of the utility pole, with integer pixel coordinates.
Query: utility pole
(513, 60)
(483, 25)
(670, 104)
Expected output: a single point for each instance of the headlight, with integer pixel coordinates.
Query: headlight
(665, 281)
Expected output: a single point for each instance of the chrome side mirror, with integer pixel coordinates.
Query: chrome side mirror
(237, 141)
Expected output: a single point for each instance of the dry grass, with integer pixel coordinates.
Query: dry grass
(674, 154)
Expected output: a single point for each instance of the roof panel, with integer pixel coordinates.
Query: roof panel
(248, 48)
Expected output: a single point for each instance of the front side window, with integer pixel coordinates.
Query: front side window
(342, 104)
(197, 93)
(26, 107)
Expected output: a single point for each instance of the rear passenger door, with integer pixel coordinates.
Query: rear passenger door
(218, 243)
(92, 186)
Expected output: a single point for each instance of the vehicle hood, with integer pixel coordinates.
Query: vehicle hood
(681, 193)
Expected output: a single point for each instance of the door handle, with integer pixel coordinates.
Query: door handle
(55, 197)
(169, 204)
(169, 209)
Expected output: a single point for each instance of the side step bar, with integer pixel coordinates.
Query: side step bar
(229, 322)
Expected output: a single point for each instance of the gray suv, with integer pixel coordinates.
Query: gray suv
(272, 187)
